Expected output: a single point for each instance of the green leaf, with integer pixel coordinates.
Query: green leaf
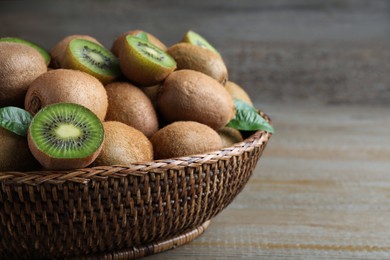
(247, 118)
(15, 119)
(143, 36)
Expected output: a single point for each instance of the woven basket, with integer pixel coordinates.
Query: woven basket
(121, 212)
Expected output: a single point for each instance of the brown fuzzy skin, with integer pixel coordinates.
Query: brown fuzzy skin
(117, 44)
(238, 92)
(14, 153)
(60, 163)
(229, 136)
(193, 57)
(184, 138)
(152, 93)
(59, 49)
(123, 145)
(129, 105)
(140, 70)
(19, 66)
(69, 86)
(188, 95)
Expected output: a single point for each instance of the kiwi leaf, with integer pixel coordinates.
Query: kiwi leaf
(143, 36)
(15, 119)
(248, 119)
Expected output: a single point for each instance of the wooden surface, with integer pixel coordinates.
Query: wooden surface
(320, 191)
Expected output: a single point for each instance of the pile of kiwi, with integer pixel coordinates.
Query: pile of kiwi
(85, 105)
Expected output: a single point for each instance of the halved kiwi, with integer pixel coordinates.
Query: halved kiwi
(195, 39)
(65, 136)
(91, 58)
(41, 50)
(144, 63)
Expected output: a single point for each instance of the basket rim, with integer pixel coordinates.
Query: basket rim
(142, 169)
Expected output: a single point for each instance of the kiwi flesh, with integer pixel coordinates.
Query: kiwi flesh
(129, 105)
(123, 145)
(116, 46)
(238, 92)
(69, 86)
(193, 57)
(91, 58)
(14, 153)
(65, 136)
(41, 50)
(184, 138)
(19, 66)
(188, 95)
(144, 63)
(230, 136)
(58, 50)
(196, 39)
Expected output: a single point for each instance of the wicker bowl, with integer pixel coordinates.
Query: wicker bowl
(121, 212)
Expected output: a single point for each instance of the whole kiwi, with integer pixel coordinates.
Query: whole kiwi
(184, 138)
(238, 92)
(128, 104)
(193, 57)
(123, 145)
(116, 46)
(229, 136)
(19, 66)
(152, 93)
(14, 153)
(188, 95)
(70, 86)
(60, 47)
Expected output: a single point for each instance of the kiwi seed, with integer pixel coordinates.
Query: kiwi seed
(65, 136)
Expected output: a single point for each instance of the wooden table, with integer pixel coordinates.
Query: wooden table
(321, 190)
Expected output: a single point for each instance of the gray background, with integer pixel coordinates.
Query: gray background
(329, 52)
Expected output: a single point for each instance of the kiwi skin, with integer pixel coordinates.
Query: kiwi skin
(19, 66)
(117, 44)
(230, 136)
(193, 57)
(238, 92)
(71, 86)
(14, 153)
(184, 138)
(188, 95)
(59, 49)
(129, 105)
(123, 145)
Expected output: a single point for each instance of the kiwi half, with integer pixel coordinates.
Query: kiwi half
(91, 58)
(195, 39)
(42, 51)
(65, 136)
(144, 63)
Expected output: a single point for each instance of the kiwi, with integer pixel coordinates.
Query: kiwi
(129, 105)
(184, 138)
(116, 46)
(152, 92)
(188, 95)
(41, 50)
(70, 86)
(60, 47)
(238, 92)
(14, 153)
(123, 145)
(91, 58)
(229, 136)
(19, 66)
(65, 136)
(193, 57)
(143, 63)
(195, 39)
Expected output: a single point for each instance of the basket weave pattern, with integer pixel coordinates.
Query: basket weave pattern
(112, 208)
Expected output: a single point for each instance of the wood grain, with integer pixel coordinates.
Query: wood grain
(320, 191)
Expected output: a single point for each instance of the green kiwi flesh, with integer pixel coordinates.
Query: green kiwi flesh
(195, 39)
(95, 57)
(65, 131)
(42, 51)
